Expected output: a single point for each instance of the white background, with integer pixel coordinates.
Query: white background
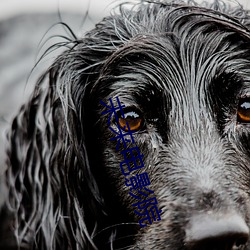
(96, 7)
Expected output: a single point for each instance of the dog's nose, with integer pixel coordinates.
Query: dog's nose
(216, 232)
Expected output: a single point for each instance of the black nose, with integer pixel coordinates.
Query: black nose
(217, 232)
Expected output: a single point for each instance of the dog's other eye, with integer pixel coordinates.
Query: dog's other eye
(243, 113)
(134, 120)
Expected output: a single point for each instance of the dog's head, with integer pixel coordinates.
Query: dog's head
(183, 74)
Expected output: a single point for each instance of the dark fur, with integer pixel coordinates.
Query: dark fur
(185, 69)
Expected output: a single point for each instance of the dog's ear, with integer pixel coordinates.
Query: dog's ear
(52, 191)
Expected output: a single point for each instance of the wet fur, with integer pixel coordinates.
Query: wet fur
(184, 68)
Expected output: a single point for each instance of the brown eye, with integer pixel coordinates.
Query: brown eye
(134, 120)
(243, 113)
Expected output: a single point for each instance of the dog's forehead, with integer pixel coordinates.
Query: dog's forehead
(187, 53)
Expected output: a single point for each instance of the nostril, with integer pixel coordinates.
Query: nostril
(240, 242)
(217, 232)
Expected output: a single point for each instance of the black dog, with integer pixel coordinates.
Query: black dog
(183, 74)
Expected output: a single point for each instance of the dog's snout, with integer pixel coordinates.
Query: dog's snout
(223, 232)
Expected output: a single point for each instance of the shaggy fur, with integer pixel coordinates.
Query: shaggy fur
(184, 69)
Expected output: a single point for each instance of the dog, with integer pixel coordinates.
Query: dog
(180, 73)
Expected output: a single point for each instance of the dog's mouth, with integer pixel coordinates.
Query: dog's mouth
(222, 232)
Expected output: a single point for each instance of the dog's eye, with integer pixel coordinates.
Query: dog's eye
(243, 113)
(134, 120)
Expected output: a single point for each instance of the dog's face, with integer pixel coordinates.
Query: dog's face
(185, 82)
(183, 75)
